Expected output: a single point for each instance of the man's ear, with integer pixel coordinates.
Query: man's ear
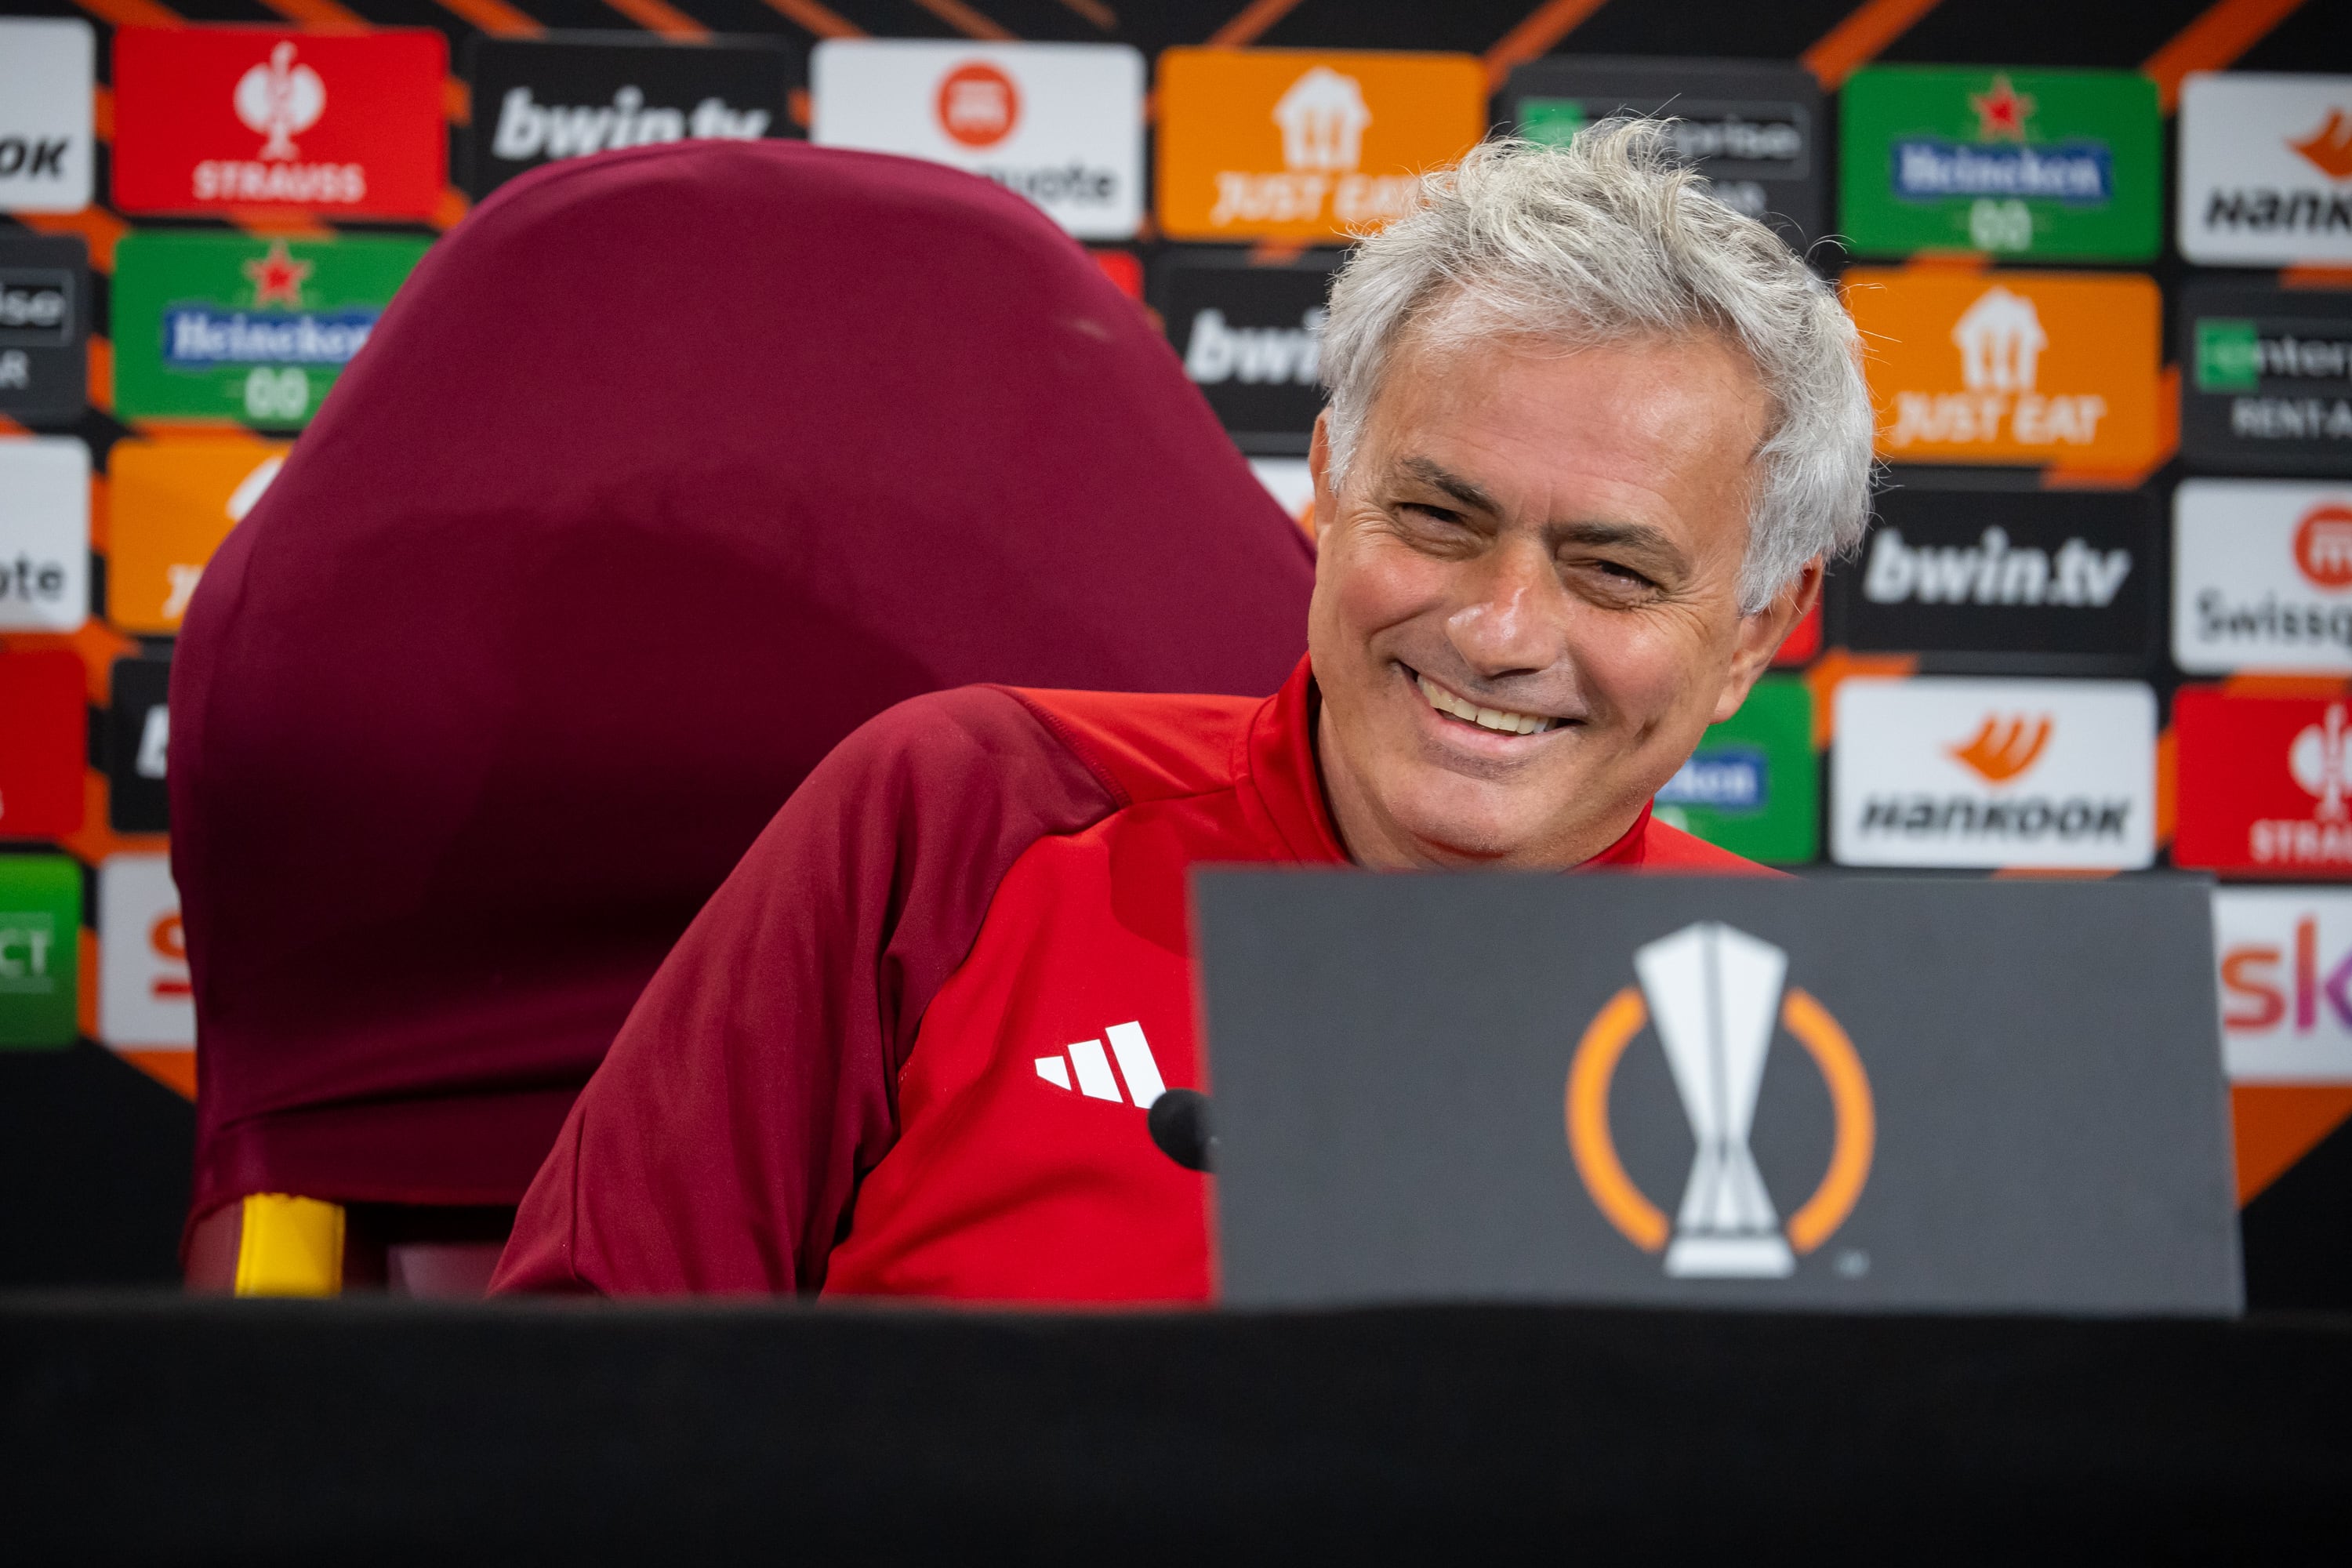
(1761, 634)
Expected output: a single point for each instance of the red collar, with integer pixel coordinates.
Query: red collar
(1279, 761)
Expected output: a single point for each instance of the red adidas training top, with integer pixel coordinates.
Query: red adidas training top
(903, 1049)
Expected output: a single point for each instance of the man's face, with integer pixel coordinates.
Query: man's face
(1554, 538)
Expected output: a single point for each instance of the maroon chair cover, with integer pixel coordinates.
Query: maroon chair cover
(665, 470)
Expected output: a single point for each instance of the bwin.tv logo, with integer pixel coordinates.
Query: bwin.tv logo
(1716, 997)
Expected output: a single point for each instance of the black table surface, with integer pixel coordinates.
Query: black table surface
(164, 1429)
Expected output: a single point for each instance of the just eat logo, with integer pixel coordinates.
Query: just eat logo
(208, 119)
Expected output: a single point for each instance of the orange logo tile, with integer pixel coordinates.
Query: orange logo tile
(170, 504)
(1300, 144)
(2030, 368)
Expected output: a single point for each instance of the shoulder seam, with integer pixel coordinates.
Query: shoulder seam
(1072, 743)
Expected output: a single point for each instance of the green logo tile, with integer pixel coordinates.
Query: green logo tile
(1553, 120)
(40, 949)
(2058, 165)
(227, 326)
(2229, 357)
(1753, 786)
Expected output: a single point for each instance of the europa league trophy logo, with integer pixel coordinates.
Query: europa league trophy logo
(1715, 997)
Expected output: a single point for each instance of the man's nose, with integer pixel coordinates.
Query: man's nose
(1514, 619)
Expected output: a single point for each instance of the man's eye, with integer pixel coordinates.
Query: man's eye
(1619, 578)
(1432, 513)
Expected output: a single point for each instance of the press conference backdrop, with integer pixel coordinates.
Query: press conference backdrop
(2103, 252)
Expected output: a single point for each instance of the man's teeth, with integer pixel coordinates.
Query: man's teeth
(1509, 724)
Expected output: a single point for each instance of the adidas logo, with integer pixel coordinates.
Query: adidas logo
(1092, 1067)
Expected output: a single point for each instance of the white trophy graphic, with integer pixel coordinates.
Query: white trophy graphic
(1714, 995)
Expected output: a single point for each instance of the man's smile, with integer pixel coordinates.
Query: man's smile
(1458, 712)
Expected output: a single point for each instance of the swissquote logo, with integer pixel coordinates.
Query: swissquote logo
(2286, 959)
(1061, 124)
(1716, 997)
(2261, 576)
(44, 535)
(2265, 168)
(1092, 1067)
(2032, 368)
(977, 104)
(219, 116)
(543, 101)
(1941, 772)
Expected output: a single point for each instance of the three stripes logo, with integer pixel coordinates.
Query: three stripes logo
(1092, 1067)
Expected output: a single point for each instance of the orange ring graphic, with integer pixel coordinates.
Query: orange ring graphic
(1642, 1222)
(1857, 1118)
(1589, 1072)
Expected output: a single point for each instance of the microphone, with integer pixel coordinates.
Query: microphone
(1179, 1122)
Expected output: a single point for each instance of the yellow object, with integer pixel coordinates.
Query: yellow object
(290, 1246)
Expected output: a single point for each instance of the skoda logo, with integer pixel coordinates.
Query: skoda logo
(1716, 997)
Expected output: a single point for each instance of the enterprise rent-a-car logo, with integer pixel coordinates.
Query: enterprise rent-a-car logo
(2268, 377)
(2033, 774)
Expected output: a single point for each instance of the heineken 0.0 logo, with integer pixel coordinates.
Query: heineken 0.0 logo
(221, 326)
(2040, 164)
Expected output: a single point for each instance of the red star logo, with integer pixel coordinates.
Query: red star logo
(2001, 111)
(278, 277)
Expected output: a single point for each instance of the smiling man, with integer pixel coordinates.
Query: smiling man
(1591, 437)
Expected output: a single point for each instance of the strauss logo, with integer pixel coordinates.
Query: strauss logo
(278, 100)
(2321, 759)
(1997, 752)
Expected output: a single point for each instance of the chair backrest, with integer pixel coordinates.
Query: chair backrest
(665, 470)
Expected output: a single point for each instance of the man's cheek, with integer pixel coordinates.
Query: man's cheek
(1386, 587)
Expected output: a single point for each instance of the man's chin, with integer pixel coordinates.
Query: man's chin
(1458, 822)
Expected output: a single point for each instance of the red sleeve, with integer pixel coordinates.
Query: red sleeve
(719, 1147)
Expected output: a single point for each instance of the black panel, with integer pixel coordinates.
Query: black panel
(95, 1159)
(2298, 1233)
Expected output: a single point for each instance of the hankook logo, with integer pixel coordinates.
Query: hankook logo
(1716, 998)
(2001, 751)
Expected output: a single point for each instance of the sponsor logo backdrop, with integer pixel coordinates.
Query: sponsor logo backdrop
(339, 146)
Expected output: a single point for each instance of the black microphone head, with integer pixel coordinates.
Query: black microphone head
(1179, 1121)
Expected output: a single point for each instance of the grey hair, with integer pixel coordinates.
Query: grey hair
(1608, 238)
